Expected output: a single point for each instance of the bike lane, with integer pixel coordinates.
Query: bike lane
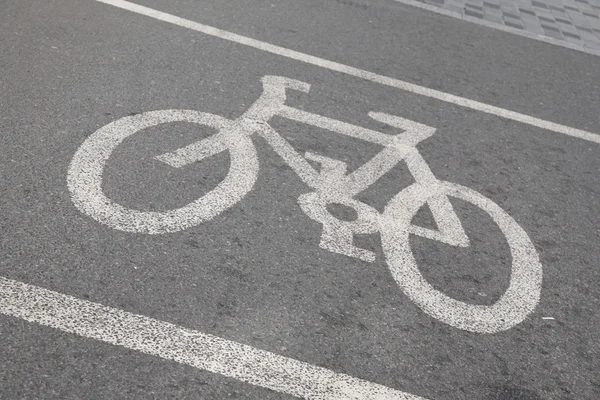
(255, 274)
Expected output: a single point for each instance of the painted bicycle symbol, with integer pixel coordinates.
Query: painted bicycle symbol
(331, 184)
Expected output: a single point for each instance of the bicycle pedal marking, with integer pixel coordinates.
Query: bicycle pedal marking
(330, 184)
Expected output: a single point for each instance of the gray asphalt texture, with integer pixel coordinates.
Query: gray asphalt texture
(255, 274)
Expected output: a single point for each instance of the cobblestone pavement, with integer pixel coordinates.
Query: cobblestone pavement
(574, 21)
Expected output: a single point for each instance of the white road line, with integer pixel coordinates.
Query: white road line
(197, 349)
(356, 72)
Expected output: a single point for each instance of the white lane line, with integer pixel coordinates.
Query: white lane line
(186, 346)
(356, 72)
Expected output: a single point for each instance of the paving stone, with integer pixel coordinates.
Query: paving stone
(560, 10)
(473, 13)
(474, 7)
(578, 19)
(539, 4)
(493, 13)
(508, 6)
(573, 21)
(491, 5)
(571, 34)
(494, 18)
(526, 11)
(592, 45)
(544, 13)
(589, 36)
(563, 20)
(533, 27)
(553, 33)
(566, 27)
(517, 25)
(458, 10)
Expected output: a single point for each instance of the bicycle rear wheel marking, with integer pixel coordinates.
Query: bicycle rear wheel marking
(85, 175)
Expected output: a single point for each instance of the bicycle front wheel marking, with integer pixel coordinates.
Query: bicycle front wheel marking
(517, 302)
(87, 167)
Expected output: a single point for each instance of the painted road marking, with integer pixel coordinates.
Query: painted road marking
(331, 184)
(356, 72)
(186, 346)
(256, 366)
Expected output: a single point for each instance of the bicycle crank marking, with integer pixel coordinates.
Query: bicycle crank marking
(330, 183)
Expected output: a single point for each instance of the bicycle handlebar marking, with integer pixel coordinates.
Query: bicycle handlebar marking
(330, 184)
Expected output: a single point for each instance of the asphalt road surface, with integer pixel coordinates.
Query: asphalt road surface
(287, 252)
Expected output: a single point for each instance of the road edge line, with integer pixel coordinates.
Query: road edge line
(355, 72)
(172, 342)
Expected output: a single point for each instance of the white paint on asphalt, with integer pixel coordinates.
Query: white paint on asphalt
(332, 184)
(85, 173)
(356, 72)
(186, 346)
(516, 303)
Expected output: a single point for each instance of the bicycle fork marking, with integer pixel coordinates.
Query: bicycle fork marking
(330, 184)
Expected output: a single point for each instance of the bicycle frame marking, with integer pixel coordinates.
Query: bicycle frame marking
(330, 184)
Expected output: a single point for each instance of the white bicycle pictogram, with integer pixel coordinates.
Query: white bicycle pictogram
(330, 184)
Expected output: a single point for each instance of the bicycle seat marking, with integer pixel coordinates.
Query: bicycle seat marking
(330, 184)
